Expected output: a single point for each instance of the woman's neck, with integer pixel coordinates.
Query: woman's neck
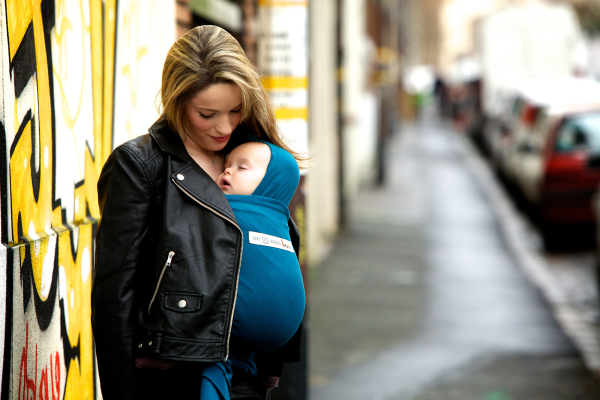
(210, 161)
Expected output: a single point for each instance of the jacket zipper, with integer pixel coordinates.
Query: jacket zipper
(239, 262)
(160, 278)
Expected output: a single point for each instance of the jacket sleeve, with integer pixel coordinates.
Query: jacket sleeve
(124, 196)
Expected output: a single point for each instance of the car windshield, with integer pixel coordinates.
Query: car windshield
(579, 133)
(516, 108)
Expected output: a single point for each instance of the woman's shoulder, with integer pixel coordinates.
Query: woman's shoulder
(150, 145)
(138, 159)
(140, 154)
(142, 147)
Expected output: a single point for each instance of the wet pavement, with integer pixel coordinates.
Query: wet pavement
(425, 296)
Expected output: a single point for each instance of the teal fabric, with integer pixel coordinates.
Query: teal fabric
(282, 177)
(270, 302)
(216, 377)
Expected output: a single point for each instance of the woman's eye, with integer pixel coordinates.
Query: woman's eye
(206, 116)
(236, 111)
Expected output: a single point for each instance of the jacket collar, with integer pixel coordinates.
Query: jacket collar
(196, 181)
(168, 140)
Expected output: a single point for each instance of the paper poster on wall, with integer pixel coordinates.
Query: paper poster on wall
(283, 62)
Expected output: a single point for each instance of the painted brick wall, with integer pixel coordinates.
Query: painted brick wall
(78, 78)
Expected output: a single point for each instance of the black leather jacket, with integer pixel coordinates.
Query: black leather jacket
(168, 254)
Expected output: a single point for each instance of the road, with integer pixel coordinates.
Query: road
(430, 292)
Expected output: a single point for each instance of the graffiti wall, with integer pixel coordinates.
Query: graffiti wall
(78, 78)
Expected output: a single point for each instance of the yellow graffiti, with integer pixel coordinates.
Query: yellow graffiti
(61, 124)
(76, 297)
(35, 216)
(60, 70)
(65, 24)
(19, 14)
(34, 213)
(97, 44)
(72, 103)
(109, 76)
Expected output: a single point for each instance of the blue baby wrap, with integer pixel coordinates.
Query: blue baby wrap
(216, 377)
(270, 299)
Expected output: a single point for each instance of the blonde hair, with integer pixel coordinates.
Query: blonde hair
(208, 55)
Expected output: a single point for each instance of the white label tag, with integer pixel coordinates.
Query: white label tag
(270, 241)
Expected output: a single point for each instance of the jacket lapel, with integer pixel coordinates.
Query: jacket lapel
(168, 140)
(197, 184)
(188, 175)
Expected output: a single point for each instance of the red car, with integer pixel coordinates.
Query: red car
(569, 180)
(554, 171)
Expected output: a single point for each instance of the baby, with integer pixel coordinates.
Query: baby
(259, 181)
(245, 168)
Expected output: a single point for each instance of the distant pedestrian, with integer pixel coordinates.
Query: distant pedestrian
(441, 95)
(169, 248)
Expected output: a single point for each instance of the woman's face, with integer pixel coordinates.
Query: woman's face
(213, 114)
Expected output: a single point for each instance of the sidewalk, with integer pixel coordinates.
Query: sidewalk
(423, 291)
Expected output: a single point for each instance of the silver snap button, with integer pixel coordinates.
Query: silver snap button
(150, 343)
(140, 345)
(180, 177)
(182, 303)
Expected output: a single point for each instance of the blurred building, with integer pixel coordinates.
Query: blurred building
(355, 57)
(457, 37)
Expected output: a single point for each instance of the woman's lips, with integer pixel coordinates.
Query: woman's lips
(221, 139)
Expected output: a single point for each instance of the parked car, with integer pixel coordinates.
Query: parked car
(554, 168)
(498, 130)
(521, 135)
(515, 116)
(517, 113)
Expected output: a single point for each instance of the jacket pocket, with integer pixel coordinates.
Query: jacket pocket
(160, 278)
(182, 302)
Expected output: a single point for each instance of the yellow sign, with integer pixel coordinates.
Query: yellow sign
(285, 82)
(279, 3)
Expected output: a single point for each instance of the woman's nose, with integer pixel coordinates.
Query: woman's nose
(225, 126)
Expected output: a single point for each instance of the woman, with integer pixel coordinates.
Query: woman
(168, 249)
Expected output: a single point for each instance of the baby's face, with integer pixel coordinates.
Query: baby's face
(245, 167)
